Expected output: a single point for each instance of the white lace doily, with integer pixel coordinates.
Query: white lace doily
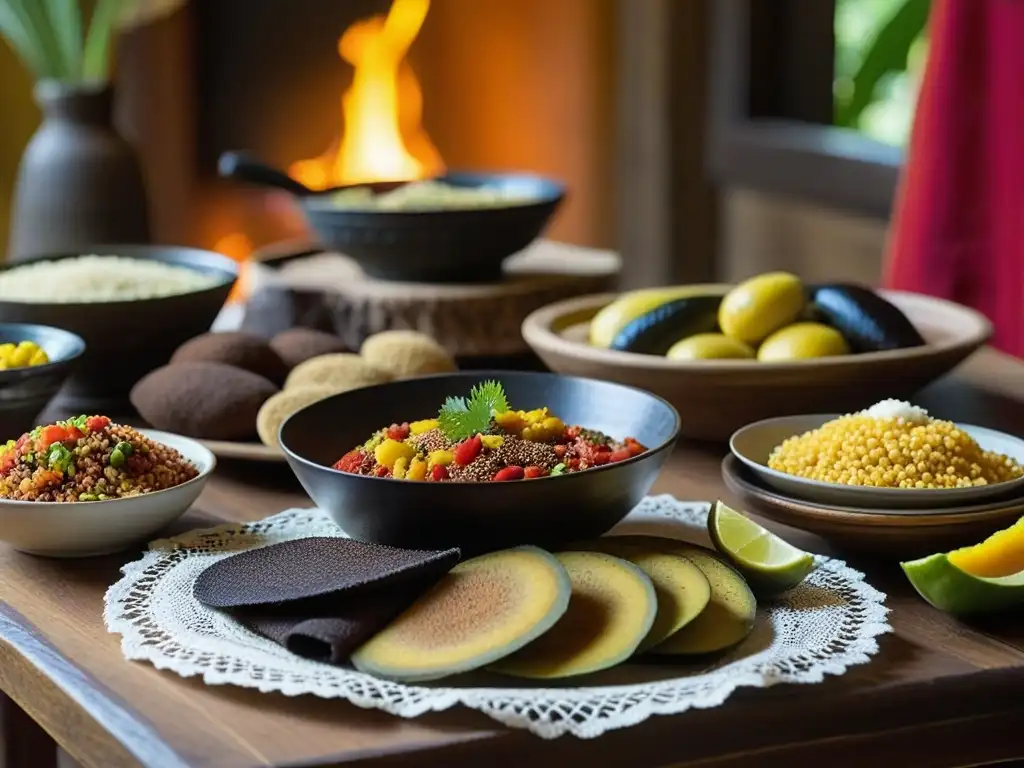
(822, 627)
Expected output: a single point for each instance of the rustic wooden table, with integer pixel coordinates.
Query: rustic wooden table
(939, 693)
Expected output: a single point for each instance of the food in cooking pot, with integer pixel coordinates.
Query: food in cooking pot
(758, 307)
(405, 354)
(710, 346)
(280, 406)
(205, 400)
(654, 332)
(483, 609)
(893, 444)
(869, 322)
(24, 354)
(88, 458)
(432, 195)
(483, 440)
(611, 611)
(235, 348)
(681, 587)
(297, 345)
(802, 341)
(341, 371)
(982, 578)
(94, 278)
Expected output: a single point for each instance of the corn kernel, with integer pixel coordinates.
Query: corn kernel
(444, 458)
(389, 451)
(892, 453)
(417, 470)
(421, 426)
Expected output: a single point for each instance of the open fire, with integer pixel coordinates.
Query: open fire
(382, 137)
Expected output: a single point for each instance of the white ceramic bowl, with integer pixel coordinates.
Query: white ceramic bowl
(55, 529)
(753, 444)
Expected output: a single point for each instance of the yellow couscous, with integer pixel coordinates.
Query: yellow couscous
(892, 445)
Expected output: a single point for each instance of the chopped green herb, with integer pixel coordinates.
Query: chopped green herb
(60, 458)
(460, 418)
(558, 469)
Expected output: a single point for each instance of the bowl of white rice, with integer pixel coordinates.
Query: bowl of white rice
(132, 304)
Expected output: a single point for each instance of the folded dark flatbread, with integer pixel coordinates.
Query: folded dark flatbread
(321, 597)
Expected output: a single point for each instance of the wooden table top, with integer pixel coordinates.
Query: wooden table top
(937, 693)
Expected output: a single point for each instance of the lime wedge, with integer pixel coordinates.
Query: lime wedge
(769, 564)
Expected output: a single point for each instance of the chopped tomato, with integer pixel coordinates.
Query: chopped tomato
(572, 432)
(381, 471)
(96, 423)
(468, 450)
(560, 450)
(439, 472)
(534, 471)
(350, 462)
(47, 477)
(7, 462)
(634, 448)
(55, 433)
(509, 473)
(599, 458)
(620, 455)
(398, 431)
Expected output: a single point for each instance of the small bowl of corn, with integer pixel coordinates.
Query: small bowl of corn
(892, 455)
(35, 361)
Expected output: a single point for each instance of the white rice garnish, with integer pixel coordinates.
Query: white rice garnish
(95, 278)
(897, 409)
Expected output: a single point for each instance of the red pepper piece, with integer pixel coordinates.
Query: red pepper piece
(620, 455)
(439, 472)
(560, 450)
(50, 435)
(600, 457)
(96, 423)
(381, 471)
(467, 450)
(509, 473)
(634, 448)
(534, 471)
(350, 462)
(398, 431)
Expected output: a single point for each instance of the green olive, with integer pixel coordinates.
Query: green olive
(87, 497)
(116, 458)
(758, 307)
(710, 346)
(125, 448)
(802, 341)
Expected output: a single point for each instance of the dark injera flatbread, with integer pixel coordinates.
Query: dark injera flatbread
(321, 597)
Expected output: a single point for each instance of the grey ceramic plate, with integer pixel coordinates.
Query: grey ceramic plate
(754, 443)
(224, 449)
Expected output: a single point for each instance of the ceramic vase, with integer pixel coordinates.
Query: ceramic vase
(79, 183)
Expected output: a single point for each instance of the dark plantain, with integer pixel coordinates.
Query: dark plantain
(869, 322)
(656, 331)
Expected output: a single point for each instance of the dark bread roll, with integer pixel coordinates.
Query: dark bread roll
(205, 400)
(297, 345)
(241, 350)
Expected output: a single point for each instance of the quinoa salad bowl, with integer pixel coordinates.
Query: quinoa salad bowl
(88, 486)
(480, 460)
(132, 304)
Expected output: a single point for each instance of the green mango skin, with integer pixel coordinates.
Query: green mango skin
(654, 332)
(950, 589)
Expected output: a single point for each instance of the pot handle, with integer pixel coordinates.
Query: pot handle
(242, 167)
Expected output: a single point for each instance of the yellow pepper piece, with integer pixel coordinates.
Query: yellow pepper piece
(401, 465)
(417, 470)
(1001, 554)
(390, 451)
(492, 442)
(444, 458)
(39, 357)
(424, 425)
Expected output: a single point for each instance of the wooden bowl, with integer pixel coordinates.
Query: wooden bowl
(717, 397)
(873, 531)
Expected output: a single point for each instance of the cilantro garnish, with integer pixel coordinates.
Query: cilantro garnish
(558, 469)
(460, 418)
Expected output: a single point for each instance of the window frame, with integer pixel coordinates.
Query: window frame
(771, 73)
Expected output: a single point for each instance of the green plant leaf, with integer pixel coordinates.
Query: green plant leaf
(66, 21)
(96, 54)
(17, 32)
(460, 418)
(887, 54)
(38, 20)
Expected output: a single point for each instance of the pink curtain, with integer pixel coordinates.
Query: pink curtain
(958, 226)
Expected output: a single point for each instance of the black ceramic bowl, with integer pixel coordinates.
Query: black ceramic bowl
(477, 517)
(127, 339)
(25, 392)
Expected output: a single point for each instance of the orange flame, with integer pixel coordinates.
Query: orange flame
(384, 139)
